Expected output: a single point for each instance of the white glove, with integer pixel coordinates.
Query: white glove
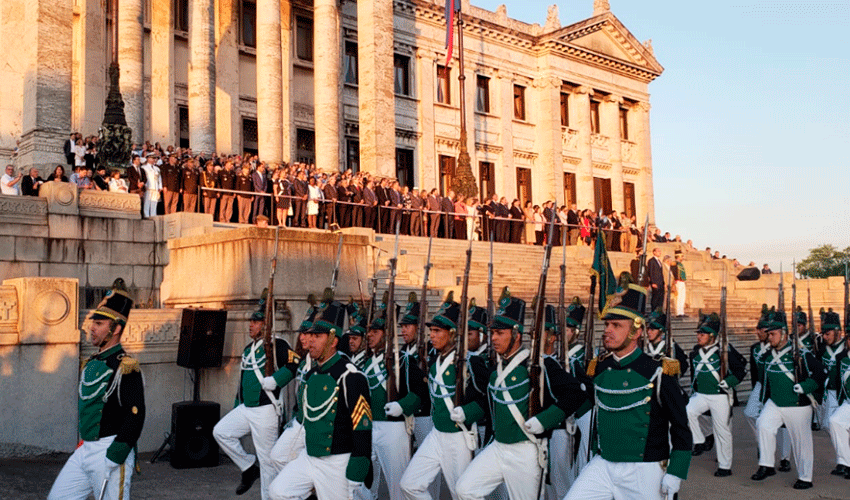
(352, 487)
(723, 385)
(458, 415)
(670, 485)
(269, 384)
(393, 409)
(799, 389)
(533, 426)
(109, 467)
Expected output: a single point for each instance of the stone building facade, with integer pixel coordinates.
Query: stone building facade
(553, 112)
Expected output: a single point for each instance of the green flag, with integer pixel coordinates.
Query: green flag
(601, 268)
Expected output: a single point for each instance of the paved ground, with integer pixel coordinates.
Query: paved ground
(25, 479)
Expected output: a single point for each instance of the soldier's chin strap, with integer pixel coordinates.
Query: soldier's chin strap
(326, 350)
(515, 336)
(109, 337)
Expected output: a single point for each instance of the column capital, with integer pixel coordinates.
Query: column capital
(642, 106)
(613, 98)
(584, 89)
(548, 81)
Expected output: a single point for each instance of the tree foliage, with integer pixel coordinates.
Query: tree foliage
(824, 261)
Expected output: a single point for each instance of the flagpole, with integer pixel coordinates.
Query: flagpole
(464, 182)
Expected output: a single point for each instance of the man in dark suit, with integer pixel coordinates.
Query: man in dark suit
(299, 204)
(573, 224)
(190, 180)
(656, 278)
(226, 180)
(434, 218)
(137, 179)
(355, 195)
(503, 226)
(370, 200)
(447, 206)
(395, 205)
(31, 183)
(70, 157)
(415, 213)
(260, 184)
(329, 205)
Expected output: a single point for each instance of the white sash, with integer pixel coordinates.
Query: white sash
(778, 361)
(705, 361)
(470, 434)
(375, 368)
(277, 403)
(501, 375)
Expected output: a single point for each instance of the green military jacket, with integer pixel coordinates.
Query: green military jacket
(338, 415)
(778, 379)
(640, 410)
(843, 377)
(830, 356)
(300, 376)
(510, 386)
(410, 356)
(442, 385)
(250, 392)
(112, 401)
(411, 387)
(705, 369)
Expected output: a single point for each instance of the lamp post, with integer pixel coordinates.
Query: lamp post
(116, 138)
(464, 182)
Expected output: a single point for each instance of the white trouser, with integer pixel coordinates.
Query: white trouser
(421, 429)
(604, 480)
(718, 405)
(798, 421)
(512, 464)
(261, 423)
(288, 445)
(827, 408)
(839, 425)
(390, 455)
(751, 413)
(680, 298)
(499, 493)
(441, 451)
(83, 474)
(149, 204)
(324, 474)
(561, 470)
(583, 424)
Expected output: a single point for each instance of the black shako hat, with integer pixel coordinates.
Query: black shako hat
(510, 313)
(709, 324)
(411, 311)
(628, 302)
(477, 317)
(116, 304)
(829, 320)
(657, 320)
(448, 314)
(330, 318)
(575, 313)
(379, 321)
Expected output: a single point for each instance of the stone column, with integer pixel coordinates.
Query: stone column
(643, 190)
(426, 63)
(130, 59)
(375, 86)
(504, 103)
(90, 59)
(202, 76)
(609, 122)
(42, 45)
(326, 89)
(286, 128)
(580, 102)
(551, 162)
(269, 81)
(163, 121)
(228, 119)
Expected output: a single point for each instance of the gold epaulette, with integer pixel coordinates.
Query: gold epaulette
(128, 365)
(83, 364)
(671, 367)
(591, 367)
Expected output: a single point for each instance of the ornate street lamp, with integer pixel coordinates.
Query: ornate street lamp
(116, 138)
(464, 182)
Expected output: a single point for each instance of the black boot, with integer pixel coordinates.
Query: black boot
(698, 450)
(709, 442)
(248, 477)
(784, 465)
(722, 472)
(802, 485)
(763, 472)
(839, 470)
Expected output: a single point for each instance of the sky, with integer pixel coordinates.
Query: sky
(750, 119)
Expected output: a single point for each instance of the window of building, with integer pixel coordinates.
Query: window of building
(183, 125)
(482, 94)
(523, 185)
(304, 38)
(486, 180)
(350, 75)
(602, 194)
(181, 15)
(444, 88)
(305, 141)
(629, 198)
(401, 65)
(248, 22)
(565, 109)
(624, 124)
(569, 189)
(594, 117)
(250, 143)
(352, 155)
(519, 102)
(447, 173)
(404, 166)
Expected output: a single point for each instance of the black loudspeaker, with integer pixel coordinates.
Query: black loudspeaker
(192, 442)
(749, 274)
(201, 338)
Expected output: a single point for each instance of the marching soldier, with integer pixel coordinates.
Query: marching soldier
(477, 328)
(256, 407)
(839, 422)
(519, 439)
(337, 424)
(805, 337)
(650, 457)
(754, 405)
(449, 445)
(577, 360)
(111, 409)
(831, 347)
(357, 340)
(390, 435)
(656, 333)
(711, 393)
(787, 401)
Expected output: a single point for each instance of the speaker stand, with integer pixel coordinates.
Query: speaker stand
(196, 398)
(165, 444)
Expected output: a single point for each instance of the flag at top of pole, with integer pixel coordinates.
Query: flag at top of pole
(452, 6)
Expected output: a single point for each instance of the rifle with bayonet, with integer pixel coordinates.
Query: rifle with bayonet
(668, 340)
(421, 338)
(588, 328)
(563, 347)
(724, 337)
(391, 361)
(793, 330)
(461, 367)
(491, 305)
(335, 275)
(780, 299)
(268, 328)
(815, 337)
(846, 296)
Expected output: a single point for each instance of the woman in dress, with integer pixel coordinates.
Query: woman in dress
(79, 154)
(528, 221)
(314, 196)
(116, 183)
(539, 226)
(516, 222)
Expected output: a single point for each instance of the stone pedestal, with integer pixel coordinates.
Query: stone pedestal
(202, 76)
